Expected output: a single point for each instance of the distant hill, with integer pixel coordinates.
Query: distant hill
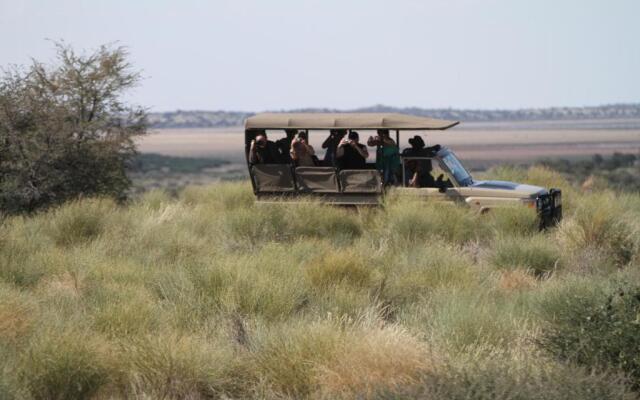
(221, 119)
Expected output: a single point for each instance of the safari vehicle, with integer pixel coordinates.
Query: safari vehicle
(286, 182)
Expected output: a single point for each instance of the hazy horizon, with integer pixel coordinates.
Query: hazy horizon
(255, 56)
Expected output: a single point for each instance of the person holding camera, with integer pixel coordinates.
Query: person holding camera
(331, 144)
(263, 151)
(350, 154)
(302, 153)
(387, 155)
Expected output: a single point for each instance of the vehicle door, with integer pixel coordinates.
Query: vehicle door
(425, 177)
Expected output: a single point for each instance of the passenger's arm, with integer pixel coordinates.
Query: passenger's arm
(362, 150)
(327, 142)
(253, 153)
(310, 150)
(340, 151)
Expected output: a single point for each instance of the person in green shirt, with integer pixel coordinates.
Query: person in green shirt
(387, 156)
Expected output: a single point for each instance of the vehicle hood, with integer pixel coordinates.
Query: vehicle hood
(517, 189)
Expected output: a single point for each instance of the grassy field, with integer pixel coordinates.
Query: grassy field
(208, 295)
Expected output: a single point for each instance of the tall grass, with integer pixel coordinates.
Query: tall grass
(209, 295)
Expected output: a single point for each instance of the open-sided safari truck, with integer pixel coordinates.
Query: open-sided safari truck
(449, 180)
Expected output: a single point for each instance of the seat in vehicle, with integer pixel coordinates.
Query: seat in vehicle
(360, 181)
(270, 178)
(317, 179)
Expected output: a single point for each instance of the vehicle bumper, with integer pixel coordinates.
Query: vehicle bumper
(549, 207)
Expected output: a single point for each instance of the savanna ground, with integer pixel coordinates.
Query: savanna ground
(209, 295)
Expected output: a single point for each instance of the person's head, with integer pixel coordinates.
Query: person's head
(290, 133)
(261, 140)
(383, 133)
(353, 135)
(302, 135)
(338, 133)
(416, 142)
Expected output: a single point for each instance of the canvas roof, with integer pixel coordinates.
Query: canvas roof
(391, 121)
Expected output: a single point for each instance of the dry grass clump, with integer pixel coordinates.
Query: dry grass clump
(62, 365)
(521, 221)
(16, 311)
(80, 221)
(415, 273)
(340, 358)
(407, 221)
(516, 280)
(601, 223)
(341, 267)
(167, 366)
(505, 377)
(209, 295)
(533, 253)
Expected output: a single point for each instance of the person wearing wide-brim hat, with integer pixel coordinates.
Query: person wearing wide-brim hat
(418, 172)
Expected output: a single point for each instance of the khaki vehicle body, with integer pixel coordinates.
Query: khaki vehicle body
(285, 182)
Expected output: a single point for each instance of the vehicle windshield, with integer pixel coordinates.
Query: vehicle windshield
(457, 170)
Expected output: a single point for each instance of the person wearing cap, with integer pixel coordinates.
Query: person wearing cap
(350, 154)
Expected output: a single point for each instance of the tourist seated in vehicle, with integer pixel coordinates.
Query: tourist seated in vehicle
(418, 171)
(263, 151)
(331, 144)
(387, 156)
(302, 153)
(284, 146)
(350, 154)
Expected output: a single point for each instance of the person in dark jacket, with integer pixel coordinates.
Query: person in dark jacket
(331, 144)
(418, 172)
(350, 154)
(263, 151)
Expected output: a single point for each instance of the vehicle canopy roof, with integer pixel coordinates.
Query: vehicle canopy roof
(393, 121)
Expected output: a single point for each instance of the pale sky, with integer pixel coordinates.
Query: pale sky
(280, 54)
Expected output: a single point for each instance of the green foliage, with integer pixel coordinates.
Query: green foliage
(619, 172)
(598, 329)
(64, 131)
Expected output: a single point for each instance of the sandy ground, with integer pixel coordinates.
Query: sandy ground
(480, 142)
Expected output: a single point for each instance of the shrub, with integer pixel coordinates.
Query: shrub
(64, 130)
(597, 329)
(535, 253)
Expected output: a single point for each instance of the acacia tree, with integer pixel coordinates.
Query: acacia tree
(65, 131)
